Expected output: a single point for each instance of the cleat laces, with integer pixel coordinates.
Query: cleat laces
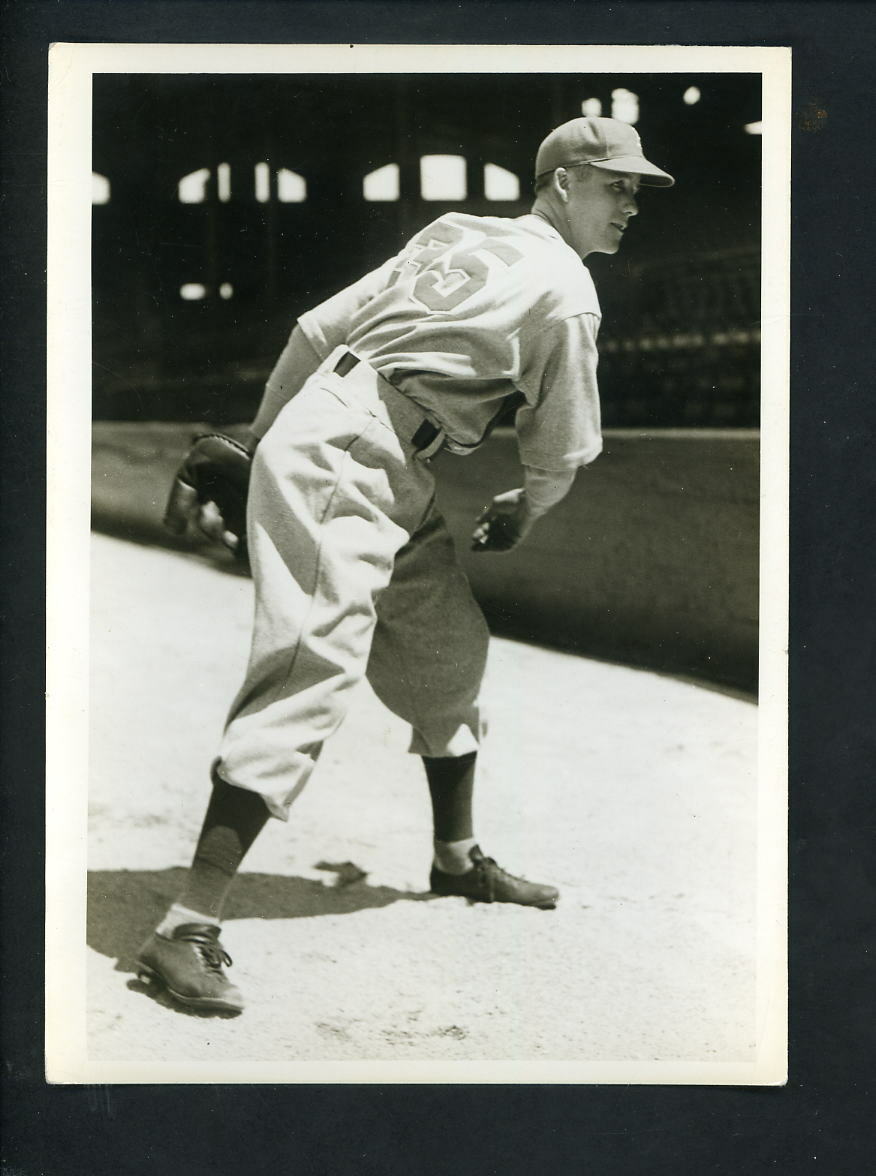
(209, 949)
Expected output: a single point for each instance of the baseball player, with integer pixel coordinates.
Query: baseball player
(353, 567)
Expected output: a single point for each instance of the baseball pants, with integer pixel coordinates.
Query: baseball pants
(354, 573)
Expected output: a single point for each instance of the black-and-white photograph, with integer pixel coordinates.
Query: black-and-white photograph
(427, 616)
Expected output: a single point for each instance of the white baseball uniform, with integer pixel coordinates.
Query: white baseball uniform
(353, 567)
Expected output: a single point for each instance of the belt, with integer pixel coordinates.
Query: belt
(427, 439)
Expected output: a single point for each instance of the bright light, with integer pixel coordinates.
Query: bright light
(591, 108)
(226, 290)
(382, 183)
(100, 189)
(500, 184)
(755, 128)
(692, 96)
(442, 177)
(223, 178)
(262, 183)
(192, 291)
(625, 106)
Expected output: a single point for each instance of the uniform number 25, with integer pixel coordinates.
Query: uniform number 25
(462, 273)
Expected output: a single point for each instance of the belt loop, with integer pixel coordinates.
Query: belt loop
(346, 363)
(425, 435)
(432, 446)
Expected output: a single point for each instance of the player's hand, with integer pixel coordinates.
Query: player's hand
(503, 524)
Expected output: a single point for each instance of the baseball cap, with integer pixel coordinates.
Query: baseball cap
(605, 142)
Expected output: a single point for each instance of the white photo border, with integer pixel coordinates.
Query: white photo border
(72, 67)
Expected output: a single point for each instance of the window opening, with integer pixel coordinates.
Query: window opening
(442, 177)
(100, 189)
(382, 183)
(262, 183)
(192, 189)
(500, 184)
(625, 106)
(291, 187)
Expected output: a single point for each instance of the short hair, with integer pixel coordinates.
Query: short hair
(542, 181)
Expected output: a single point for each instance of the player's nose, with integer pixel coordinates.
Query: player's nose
(631, 208)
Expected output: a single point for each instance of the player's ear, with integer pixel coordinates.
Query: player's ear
(562, 181)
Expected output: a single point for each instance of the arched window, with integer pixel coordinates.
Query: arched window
(442, 177)
(289, 187)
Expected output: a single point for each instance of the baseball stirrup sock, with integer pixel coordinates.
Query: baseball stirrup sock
(451, 787)
(234, 819)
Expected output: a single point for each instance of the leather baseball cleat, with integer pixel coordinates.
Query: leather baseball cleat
(189, 966)
(488, 882)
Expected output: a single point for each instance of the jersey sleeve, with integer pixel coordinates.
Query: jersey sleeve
(545, 488)
(327, 326)
(559, 427)
(298, 360)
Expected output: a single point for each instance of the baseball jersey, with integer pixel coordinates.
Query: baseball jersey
(472, 311)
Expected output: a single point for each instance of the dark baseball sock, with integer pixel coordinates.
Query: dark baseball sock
(451, 787)
(233, 820)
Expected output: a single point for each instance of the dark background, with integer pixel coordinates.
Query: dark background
(820, 1122)
(680, 340)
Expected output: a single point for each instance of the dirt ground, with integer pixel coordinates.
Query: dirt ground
(633, 792)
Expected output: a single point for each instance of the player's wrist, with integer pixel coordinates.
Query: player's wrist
(527, 511)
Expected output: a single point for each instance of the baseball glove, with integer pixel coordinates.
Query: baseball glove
(503, 524)
(210, 490)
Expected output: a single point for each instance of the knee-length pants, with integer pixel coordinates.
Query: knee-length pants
(354, 573)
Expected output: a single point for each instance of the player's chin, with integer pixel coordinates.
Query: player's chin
(607, 246)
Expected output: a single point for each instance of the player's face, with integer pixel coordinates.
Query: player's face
(599, 207)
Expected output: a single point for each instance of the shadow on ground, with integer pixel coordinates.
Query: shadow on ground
(146, 533)
(125, 905)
